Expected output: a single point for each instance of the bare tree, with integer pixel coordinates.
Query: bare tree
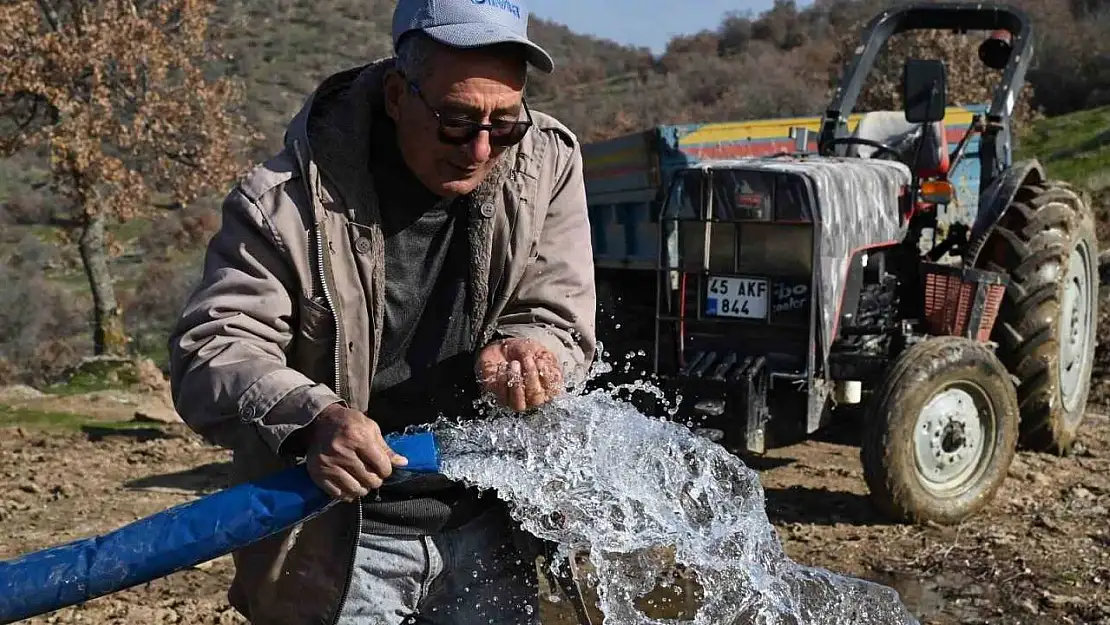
(128, 98)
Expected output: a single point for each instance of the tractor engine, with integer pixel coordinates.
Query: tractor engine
(877, 297)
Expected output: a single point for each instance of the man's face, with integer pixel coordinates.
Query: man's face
(464, 87)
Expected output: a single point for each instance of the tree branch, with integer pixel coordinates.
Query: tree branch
(51, 15)
(23, 125)
(182, 159)
(78, 13)
(23, 109)
(68, 223)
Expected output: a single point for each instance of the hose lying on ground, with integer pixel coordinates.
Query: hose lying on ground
(177, 538)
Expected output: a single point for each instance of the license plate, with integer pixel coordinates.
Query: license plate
(745, 298)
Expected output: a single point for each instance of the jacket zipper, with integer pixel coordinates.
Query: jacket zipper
(322, 273)
(321, 269)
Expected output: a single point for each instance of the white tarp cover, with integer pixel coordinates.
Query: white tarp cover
(857, 208)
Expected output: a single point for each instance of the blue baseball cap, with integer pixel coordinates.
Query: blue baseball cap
(470, 24)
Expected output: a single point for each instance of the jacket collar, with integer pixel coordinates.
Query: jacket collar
(332, 134)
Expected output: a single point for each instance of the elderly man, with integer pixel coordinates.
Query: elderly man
(421, 239)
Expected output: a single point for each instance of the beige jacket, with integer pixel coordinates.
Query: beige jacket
(256, 355)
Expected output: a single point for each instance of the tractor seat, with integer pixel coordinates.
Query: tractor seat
(891, 128)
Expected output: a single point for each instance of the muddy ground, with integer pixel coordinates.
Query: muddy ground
(1039, 554)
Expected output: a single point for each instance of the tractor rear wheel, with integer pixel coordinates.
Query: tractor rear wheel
(1046, 243)
(940, 432)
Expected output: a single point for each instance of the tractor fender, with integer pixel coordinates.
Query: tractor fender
(996, 198)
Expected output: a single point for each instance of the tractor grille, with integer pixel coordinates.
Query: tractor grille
(962, 301)
(722, 367)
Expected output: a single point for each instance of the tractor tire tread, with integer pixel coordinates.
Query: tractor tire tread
(1038, 232)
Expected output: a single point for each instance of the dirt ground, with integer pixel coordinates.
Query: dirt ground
(1039, 554)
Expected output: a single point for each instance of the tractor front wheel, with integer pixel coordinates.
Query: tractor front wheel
(940, 432)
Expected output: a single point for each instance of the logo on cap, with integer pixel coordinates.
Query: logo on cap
(504, 5)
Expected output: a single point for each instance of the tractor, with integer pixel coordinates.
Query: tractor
(800, 285)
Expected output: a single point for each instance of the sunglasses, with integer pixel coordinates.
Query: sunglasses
(460, 131)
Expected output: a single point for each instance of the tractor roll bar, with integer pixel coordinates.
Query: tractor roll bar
(955, 16)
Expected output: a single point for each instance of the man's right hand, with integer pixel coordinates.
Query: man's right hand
(347, 455)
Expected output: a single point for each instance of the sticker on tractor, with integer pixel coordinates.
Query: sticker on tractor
(750, 205)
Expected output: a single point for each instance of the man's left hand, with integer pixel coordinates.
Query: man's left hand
(522, 373)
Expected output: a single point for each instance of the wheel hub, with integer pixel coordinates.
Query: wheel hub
(949, 439)
(1075, 326)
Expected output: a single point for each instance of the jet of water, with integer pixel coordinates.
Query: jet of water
(640, 495)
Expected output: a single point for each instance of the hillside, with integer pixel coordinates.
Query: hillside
(284, 49)
(1074, 147)
(777, 63)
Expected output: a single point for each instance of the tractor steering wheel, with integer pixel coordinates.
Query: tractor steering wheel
(882, 147)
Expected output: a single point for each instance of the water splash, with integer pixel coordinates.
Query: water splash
(641, 497)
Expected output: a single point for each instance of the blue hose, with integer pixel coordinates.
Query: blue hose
(177, 538)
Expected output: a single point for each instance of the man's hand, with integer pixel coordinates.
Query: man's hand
(522, 373)
(347, 456)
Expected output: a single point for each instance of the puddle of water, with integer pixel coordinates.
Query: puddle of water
(954, 594)
(673, 525)
(923, 596)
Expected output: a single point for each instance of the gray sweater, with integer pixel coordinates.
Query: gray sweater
(426, 362)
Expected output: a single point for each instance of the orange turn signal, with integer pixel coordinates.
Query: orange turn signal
(937, 192)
